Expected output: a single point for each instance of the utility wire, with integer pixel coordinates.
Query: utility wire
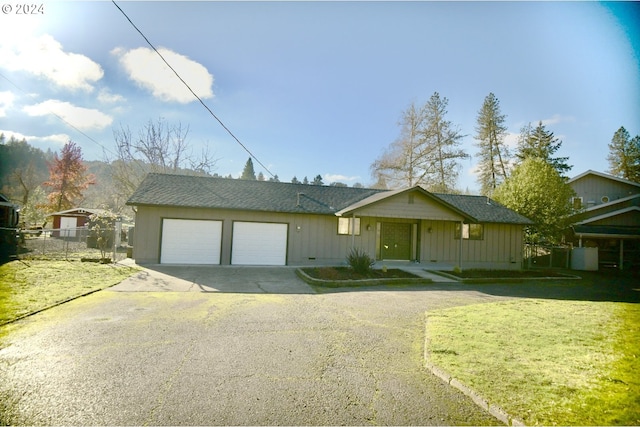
(192, 92)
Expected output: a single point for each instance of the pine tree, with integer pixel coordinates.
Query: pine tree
(248, 172)
(67, 178)
(440, 140)
(493, 154)
(295, 180)
(261, 176)
(541, 144)
(624, 155)
(317, 180)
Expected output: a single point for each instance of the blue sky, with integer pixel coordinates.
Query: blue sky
(318, 87)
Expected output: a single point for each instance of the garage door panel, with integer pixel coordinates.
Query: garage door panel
(257, 243)
(190, 241)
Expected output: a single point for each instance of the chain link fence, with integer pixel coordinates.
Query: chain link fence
(74, 244)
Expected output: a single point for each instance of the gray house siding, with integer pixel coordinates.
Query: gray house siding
(592, 188)
(409, 224)
(314, 239)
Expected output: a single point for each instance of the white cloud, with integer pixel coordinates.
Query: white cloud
(145, 67)
(106, 97)
(57, 139)
(6, 101)
(43, 56)
(82, 118)
(511, 139)
(330, 177)
(555, 119)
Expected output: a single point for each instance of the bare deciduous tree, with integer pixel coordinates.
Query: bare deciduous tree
(426, 152)
(158, 147)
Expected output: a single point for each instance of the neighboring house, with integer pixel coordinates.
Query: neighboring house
(67, 223)
(608, 217)
(203, 220)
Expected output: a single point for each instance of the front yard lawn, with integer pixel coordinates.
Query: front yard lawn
(549, 362)
(33, 285)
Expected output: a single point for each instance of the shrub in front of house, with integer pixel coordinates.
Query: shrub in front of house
(360, 261)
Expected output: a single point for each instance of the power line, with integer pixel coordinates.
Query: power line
(191, 90)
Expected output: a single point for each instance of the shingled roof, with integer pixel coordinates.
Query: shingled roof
(224, 193)
(484, 209)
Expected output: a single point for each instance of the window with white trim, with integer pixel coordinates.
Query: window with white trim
(470, 231)
(345, 226)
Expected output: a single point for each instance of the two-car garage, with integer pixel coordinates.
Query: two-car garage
(188, 241)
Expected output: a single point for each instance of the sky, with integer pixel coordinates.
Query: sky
(317, 87)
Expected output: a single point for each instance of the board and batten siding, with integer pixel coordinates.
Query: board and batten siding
(314, 240)
(593, 188)
(411, 205)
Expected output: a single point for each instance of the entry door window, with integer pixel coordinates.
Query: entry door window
(395, 241)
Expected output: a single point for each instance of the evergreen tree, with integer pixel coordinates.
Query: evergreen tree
(68, 178)
(274, 178)
(317, 180)
(248, 172)
(624, 155)
(305, 181)
(261, 177)
(541, 144)
(294, 180)
(493, 154)
(22, 169)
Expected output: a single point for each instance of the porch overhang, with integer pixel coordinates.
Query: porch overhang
(606, 231)
(380, 197)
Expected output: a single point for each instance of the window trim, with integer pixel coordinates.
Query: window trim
(349, 227)
(468, 233)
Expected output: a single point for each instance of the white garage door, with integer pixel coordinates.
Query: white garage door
(68, 226)
(190, 241)
(259, 243)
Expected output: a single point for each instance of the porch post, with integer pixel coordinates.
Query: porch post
(353, 230)
(460, 245)
(620, 266)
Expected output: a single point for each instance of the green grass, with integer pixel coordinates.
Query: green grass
(29, 286)
(547, 362)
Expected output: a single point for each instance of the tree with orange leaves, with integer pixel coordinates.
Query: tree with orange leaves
(68, 178)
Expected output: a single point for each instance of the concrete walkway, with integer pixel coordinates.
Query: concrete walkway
(419, 270)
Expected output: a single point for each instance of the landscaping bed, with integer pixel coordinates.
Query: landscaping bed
(478, 276)
(346, 276)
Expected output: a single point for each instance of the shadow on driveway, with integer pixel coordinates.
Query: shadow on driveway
(612, 285)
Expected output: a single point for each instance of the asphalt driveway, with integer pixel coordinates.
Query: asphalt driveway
(231, 347)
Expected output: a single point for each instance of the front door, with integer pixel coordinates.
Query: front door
(396, 241)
